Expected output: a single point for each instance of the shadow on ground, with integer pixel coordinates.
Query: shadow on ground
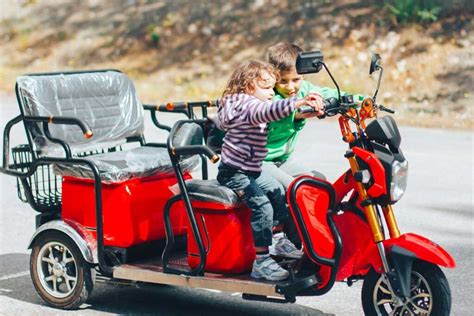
(158, 300)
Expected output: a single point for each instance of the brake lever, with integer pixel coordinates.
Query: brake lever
(382, 108)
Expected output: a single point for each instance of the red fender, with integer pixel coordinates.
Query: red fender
(423, 248)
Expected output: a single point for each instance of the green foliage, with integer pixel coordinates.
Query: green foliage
(420, 11)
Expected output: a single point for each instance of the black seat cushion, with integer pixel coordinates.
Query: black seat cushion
(210, 191)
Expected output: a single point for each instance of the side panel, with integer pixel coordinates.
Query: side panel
(359, 252)
(310, 201)
(379, 186)
(227, 237)
(132, 210)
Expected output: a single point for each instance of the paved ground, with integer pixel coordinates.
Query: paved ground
(438, 204)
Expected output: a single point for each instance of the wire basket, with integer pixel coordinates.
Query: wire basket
(43, 187)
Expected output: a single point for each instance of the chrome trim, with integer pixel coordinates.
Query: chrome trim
(61, 226)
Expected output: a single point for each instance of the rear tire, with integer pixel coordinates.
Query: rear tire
(429, 293)
(59, 272)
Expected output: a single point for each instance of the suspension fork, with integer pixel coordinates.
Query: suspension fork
(375, 224)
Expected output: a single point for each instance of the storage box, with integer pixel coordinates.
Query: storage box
(228, 241)
(132, 210)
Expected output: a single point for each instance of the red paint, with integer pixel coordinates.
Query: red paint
(359, 252)
(379, 187)
(231, 248)
(132, 210)
(423, 248)
(313, 203)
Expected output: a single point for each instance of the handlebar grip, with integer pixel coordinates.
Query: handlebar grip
(73, 121)
(305, 109)
(381, 107)
(172, 106)
(196, 149)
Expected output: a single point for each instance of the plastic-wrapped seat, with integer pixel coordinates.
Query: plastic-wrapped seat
(107, 102)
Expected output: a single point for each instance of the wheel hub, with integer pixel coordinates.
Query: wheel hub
(58, 269)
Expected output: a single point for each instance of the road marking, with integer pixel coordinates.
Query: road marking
(5, 290)
(15, 275)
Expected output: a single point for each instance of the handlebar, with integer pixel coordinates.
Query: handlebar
(62, 120)
(330, 107)
(196, 149)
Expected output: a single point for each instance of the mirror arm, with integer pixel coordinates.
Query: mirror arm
(378, 82)
(333, 80)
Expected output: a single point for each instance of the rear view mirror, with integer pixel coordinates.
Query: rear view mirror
(375, 63)
(309, 62)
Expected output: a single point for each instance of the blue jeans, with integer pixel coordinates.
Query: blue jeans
(263, 195)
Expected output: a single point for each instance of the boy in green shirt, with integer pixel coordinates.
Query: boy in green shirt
(282, 134)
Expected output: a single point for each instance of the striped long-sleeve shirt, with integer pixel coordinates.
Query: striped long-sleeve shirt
(244, 118)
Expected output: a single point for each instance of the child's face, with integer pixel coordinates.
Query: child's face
(289, 83)
(263, 87)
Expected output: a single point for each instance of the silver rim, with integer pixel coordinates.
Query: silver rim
(57, 269)
(420, 301)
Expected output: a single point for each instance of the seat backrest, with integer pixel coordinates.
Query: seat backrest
(105, 100)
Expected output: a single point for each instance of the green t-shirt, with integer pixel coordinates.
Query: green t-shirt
(282, 134)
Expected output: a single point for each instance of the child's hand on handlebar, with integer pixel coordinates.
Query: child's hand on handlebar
(314, 100)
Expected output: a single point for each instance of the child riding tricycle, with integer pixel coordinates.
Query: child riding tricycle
(115, 208)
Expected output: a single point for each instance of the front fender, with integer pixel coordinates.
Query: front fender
(83, 239)
(423, 249)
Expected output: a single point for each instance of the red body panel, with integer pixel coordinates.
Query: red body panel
(132, 210)
(230, 244)
(359, 252)
(423, 248)
(314, 203)
(379, 187)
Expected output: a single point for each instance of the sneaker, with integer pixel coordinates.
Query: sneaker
(267, 268)
(283, 247)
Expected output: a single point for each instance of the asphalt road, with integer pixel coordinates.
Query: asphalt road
(438, 205)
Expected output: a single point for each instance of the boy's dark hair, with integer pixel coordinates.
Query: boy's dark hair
(283, 56)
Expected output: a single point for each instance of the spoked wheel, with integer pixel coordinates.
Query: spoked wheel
(429, 293)
(60, 274)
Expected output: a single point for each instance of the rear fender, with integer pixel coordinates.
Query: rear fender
(81, 237)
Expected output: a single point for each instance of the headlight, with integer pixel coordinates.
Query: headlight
(399, 180)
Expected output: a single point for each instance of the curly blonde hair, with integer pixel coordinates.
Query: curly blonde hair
(244, 76)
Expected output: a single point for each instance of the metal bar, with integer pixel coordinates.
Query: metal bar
(130, 272)
(6, 140)
(370, 212)
(391, 221)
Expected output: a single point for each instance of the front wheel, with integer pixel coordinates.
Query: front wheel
(429, 293)
(59, 272)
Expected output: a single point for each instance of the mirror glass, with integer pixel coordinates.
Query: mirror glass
(374, 63)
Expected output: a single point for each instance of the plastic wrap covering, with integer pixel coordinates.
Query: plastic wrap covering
(209, 191)
(106, 101)
(188, 134)
(138, 162)
(124, 165)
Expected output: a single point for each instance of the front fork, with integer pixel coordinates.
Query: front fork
(375, 225)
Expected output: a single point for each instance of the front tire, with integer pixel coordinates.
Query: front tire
(59, 272)
(429, 293)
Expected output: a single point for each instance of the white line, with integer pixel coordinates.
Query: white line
(15, 275)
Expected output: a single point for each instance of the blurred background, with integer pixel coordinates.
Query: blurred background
(185, 50)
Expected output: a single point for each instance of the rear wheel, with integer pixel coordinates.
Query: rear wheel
(429, 293)
(59, 272)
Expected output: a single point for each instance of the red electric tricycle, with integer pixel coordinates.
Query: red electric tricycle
(114, 208)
